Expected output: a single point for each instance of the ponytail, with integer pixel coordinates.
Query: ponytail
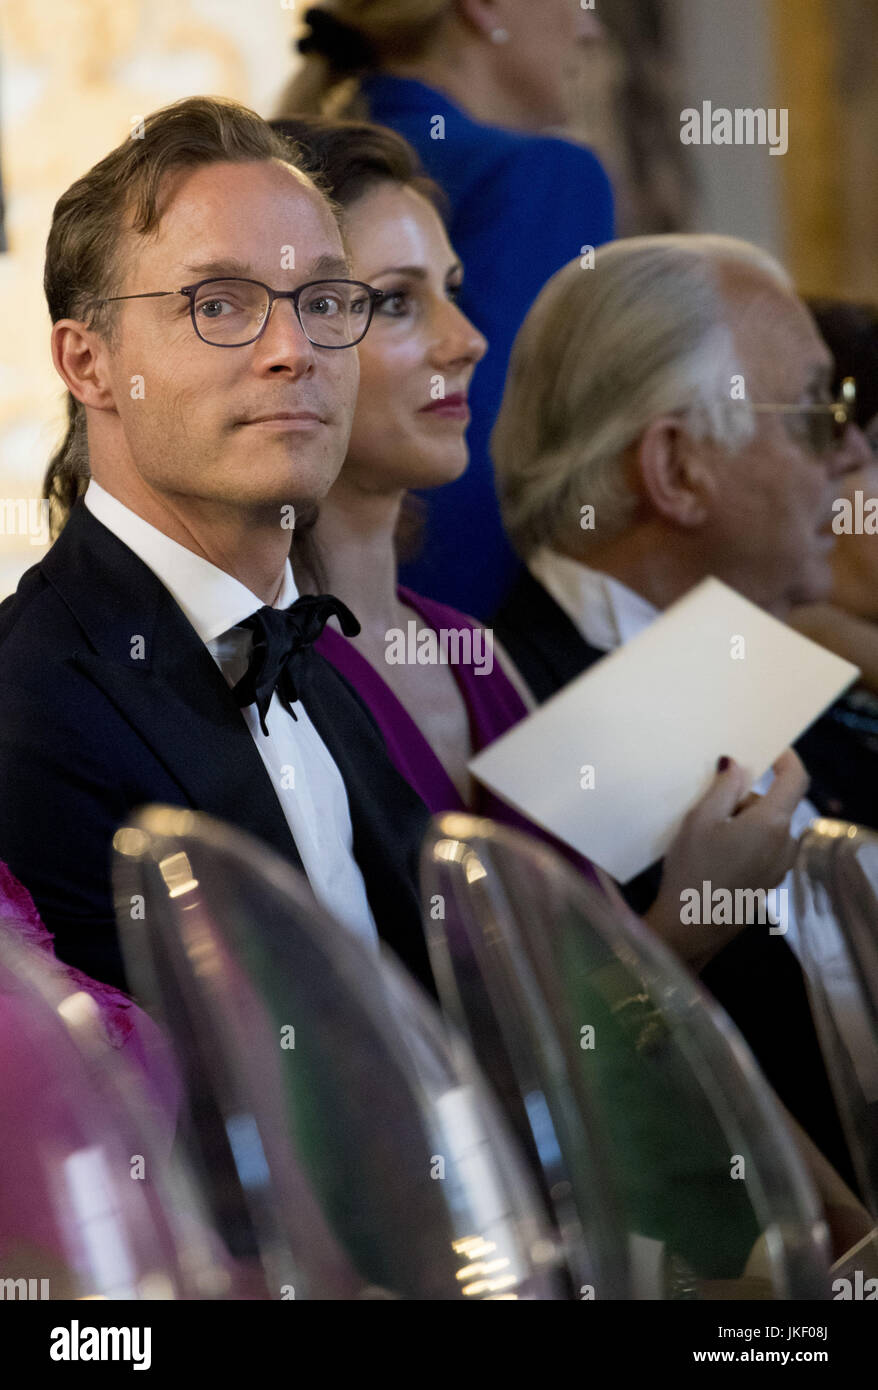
(68, 472)
(347, 41)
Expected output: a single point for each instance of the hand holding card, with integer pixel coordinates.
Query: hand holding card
(615, 761)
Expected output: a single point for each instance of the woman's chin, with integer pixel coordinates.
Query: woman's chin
(437, 472)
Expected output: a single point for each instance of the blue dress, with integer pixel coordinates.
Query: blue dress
(522, 206)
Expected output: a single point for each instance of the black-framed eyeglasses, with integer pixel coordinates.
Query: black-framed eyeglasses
(826, 424)
(234, 311)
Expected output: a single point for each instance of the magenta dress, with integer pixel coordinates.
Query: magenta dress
(127, 1028)
(492, 703)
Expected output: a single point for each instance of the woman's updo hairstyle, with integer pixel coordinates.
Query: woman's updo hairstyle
(344, 40)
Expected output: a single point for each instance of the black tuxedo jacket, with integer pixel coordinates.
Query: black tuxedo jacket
(756, 978)
(90, 731)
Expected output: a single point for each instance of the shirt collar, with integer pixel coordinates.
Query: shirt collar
(212, 600)
(607, 614)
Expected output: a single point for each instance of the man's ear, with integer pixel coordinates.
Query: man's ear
(674, 472)
(79, 356)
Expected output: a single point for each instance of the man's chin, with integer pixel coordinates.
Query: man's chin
(289, 458)
(296, 480)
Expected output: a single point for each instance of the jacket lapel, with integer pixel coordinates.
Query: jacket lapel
(388, 818)
(543, 642)
(149, 661)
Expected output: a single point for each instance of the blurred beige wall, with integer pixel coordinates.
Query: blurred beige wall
(827, 61)
(817, 205)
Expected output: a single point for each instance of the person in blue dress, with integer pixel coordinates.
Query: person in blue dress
(471, 84)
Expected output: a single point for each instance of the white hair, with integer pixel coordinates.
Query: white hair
(602, 353)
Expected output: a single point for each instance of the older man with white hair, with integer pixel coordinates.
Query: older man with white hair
(667, 417)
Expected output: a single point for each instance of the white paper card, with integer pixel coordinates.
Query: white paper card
(712, 675)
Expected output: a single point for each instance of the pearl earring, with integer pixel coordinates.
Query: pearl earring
(499, 36)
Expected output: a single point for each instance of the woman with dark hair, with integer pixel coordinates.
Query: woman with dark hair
(472, 85)
(409, 431)
(434, 679)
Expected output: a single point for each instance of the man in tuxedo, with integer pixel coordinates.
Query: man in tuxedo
(630, 466)
(153, 655)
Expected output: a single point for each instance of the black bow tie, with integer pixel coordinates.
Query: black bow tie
(282, 640)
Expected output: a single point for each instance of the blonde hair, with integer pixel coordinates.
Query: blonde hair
(366, 33)
(601, 354)
(85, 247)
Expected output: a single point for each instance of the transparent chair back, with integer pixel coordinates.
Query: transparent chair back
(835, 893)
(610, 1057)
(90, 1204)
(347, 1146)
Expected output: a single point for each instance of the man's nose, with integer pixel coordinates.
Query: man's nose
(852, 453)
(284, 342)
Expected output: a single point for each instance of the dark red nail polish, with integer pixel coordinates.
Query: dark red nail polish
(722, 763)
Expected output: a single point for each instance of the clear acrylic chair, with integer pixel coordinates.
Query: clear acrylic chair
(91, 1205)
(345, 1141)
(835, 894)
(608, 1055)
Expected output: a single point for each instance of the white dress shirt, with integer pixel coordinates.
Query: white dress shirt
(307, 782)
(608, 614)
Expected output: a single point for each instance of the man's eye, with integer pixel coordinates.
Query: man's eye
(324, 305)
(214, 308)
(454, 293)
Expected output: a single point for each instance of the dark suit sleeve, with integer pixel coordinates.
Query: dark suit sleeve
(408, 809)
(541, 639)
(842, 763)
(60, 806)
